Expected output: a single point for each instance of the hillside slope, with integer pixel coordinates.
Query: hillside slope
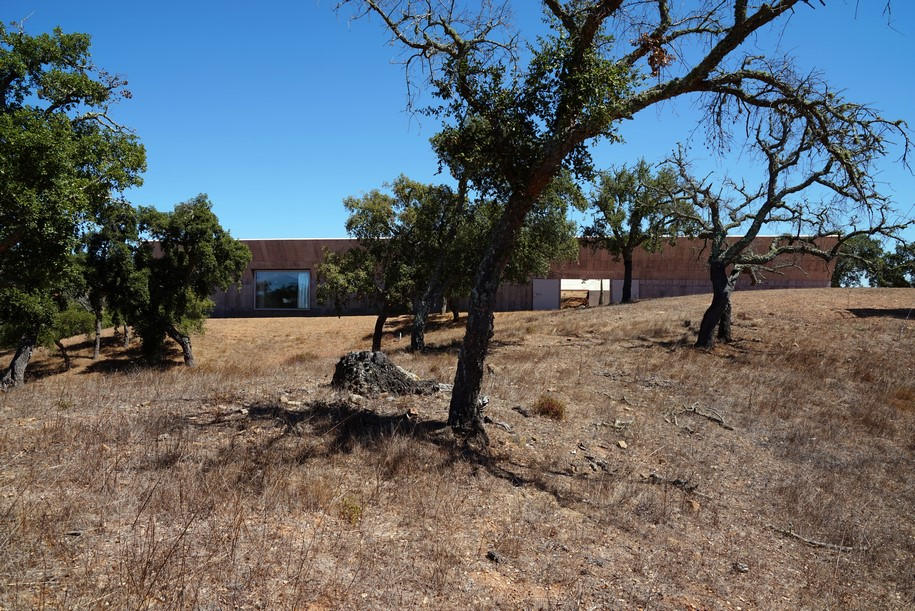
(777, 471)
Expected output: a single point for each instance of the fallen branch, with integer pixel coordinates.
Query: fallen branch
(711, 415)
(502, 425)
(683, 484)
(811, 542)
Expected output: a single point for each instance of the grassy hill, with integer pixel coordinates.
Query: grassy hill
(774, 472)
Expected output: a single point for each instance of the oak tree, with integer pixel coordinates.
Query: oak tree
(62, 155)
(185, 257)
(633, 208)
(817, 190)
(518, 109)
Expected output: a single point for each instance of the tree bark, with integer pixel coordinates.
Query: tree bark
(724, 325)
(420, 317)
(185, 342)
(97, 348)
(379, 330)
(64, 354)
(455, 311)
(14, 375)
(126, 335)
(627, 277)
(722, 286)
(465, 413)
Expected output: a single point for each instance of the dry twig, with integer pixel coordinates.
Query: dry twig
(789, 532)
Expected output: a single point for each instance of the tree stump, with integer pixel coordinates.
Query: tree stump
(372, 373)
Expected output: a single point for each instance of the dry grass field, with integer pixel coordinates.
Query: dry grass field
(626, 469)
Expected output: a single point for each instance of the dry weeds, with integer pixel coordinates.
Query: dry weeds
(248, 482)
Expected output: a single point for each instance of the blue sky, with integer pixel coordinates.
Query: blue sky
(279, 110)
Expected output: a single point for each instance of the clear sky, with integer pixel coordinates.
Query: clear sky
(278, 110)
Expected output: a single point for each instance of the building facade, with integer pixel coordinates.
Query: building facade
(281, 280)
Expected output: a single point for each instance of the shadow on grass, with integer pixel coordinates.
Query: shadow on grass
(404, 325)
(903, 313)
(131, 360)
(340, 427)
(452, 347)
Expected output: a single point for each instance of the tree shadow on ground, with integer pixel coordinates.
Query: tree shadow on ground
(436, 322)
(404, 325)
(131, 360)
(341, 427)
(903, 313)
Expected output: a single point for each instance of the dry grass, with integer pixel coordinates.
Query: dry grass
(248, 482)
(550, 407)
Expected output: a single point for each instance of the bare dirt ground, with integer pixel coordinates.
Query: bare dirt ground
(774, 472)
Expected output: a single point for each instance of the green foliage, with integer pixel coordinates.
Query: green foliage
(897, 268)
(863, 257)
(860, 258)
(634, 208)
(418, 230)
(187, 257)
(108, 266)
(74, 319)
(61, 159)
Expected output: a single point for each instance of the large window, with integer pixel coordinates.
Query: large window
(281, 289)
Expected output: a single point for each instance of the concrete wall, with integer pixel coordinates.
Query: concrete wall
(676, 270)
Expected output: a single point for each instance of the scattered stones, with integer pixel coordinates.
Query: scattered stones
(493, 556)
(622, 444)
(740, 567)
(372, 373)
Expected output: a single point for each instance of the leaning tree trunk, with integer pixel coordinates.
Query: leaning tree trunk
(14, 375)
(185, 342)
(379, 329)
(97, 348)
(722, 286)
(63, 353)
(465, 412)
(627, 277)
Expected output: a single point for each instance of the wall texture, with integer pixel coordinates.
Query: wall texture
(676, 270)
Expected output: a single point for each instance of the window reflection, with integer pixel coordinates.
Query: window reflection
(281, 289)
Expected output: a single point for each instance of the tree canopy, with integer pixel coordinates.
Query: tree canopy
(62, 158)
(817, 190)
(420, 242)
(634, 208)
(186, 257)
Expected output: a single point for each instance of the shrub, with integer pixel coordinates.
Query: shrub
(550, 407)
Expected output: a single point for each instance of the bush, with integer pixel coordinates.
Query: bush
(550, 407)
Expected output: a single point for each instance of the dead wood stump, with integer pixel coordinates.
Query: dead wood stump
(372, 373)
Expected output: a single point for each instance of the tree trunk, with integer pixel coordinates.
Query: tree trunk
(126, 336)
(420, 317)
(185, 342)
(722, 286)
(63, 353)
(465, 413)
(14, 375)
(627, 277)
(97, 348)
(724, 325)
(455, 312)
(379, 330)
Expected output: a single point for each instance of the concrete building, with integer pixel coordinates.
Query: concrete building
(280, 280)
